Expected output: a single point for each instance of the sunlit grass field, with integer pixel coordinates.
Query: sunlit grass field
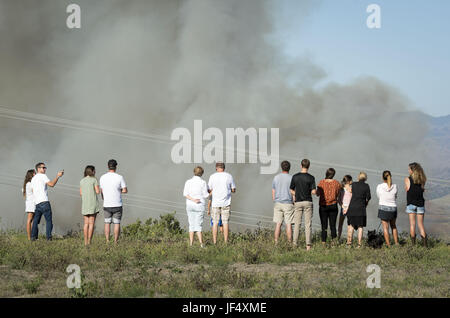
(153, 259)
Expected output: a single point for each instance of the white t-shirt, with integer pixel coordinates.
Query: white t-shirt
(387, 195)
(112, 184)
(196, 188)
(39, 187)
(221, 184)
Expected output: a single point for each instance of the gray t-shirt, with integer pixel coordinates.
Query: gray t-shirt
(281, 184)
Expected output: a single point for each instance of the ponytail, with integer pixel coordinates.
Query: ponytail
(387, 177)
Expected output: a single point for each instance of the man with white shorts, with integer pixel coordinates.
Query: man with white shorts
(112, 185)
(283, 204)
(221, 185)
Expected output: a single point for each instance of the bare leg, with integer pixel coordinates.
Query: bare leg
(277, 232)
(200, 238)
(289, 232)
(91, 228)
(394, 231)
(386, 232)
(191, 238)
(86, 229)
(214, 230)
(116, 232)
(349, 234)
(107, 229)
(412, 226)
(30, 217)
(420, 218)
(420, 225)
(360, 235)
(225, 232)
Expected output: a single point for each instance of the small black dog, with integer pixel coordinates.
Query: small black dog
(374, 239)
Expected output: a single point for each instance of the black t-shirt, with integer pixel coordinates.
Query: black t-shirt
(303, 184)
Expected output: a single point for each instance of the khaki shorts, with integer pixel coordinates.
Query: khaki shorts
(217, 212)
(283, 211)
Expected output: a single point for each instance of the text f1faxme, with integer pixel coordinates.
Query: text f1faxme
(230, 307)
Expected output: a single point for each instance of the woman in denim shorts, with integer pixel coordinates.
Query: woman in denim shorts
(415, 186)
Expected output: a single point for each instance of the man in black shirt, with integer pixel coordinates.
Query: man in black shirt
(303, 186)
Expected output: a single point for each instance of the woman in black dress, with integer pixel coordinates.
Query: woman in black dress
(356, 214)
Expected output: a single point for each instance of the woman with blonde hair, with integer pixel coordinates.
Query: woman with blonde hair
(387, 207)
(29, 200)
(344, 200)
(356, 214)
(415, 202)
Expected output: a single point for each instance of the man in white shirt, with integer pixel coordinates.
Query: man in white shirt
(112, 185)
(39, 185)
(195, 191)
(221, 185)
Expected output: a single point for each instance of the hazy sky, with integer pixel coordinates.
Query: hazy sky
(411, 51)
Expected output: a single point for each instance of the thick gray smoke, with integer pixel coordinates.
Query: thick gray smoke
(152, 66)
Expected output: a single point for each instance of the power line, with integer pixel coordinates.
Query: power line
(126, 133)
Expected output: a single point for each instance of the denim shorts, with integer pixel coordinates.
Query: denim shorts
(113, 215)
(411, 208)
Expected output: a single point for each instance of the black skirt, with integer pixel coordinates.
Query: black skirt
(387, 215)
(356, 221)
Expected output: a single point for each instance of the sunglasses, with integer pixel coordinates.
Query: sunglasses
(43, 167)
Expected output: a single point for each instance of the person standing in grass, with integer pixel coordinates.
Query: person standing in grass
(39, 185)
(196, 192)
(29, 200)
(387, 207)
(221, 185)
(89, 189)
(344, 200)
(415, 186)
(283, 204)
(328, 191)
(112, 185)
(303, 187)
(356, 214)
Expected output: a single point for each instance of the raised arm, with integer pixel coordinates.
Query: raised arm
(54, 181)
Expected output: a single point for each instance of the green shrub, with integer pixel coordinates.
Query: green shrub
(32, 286)
(167, 227)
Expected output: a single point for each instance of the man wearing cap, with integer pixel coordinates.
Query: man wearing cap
(112, 185)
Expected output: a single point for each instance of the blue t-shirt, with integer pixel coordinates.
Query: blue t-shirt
(281, 184)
